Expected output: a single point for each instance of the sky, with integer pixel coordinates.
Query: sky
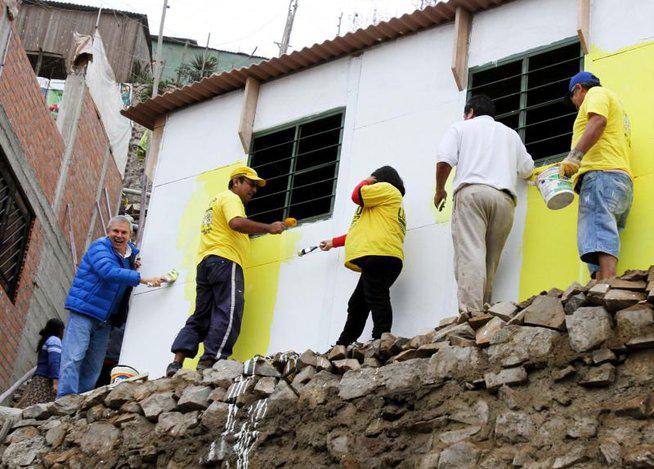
(246, 25)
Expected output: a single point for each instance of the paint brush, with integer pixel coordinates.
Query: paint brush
(305, 251)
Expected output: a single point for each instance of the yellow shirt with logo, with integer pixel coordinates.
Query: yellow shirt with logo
(217, 237)
(378, 227)
(613, 149)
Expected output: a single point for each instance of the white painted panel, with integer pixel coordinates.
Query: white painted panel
(617, 24)
(160, 251)
(155, 318)
(301, 318)
(406, 76)
(200, 138)
(519, 26)
(294, 97)
(408, 143)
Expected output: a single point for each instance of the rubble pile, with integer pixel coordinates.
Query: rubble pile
(563, 379)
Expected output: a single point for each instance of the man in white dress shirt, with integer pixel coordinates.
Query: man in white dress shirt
(489, 157)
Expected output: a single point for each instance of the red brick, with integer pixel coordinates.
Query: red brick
(43, 148)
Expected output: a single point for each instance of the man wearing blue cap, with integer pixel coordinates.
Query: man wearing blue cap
(599, 167)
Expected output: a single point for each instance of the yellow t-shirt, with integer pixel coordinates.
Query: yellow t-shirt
(613, 149)
(217, 237)
(378, 228)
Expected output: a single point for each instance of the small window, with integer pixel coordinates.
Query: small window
(16, 217)
(530, 97)
(47, 65)
(300, 164)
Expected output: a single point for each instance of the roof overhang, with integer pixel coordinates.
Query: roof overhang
(147, 112)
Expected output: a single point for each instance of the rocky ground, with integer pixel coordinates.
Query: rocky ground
(561, 380)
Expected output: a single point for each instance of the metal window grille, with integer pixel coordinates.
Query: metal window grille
(530, 96)
(16, 218)
(300, 165)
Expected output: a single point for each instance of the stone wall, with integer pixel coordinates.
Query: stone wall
(561, 380)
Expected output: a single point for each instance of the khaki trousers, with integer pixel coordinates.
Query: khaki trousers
(481, 223)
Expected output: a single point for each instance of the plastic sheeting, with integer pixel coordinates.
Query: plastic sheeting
(105, 92)
(12, 8)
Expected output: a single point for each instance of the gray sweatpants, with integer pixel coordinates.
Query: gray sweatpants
(481, 223)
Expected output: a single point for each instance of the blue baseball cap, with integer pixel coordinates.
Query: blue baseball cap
(582, 77)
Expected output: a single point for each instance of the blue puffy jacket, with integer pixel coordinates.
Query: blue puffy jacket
(98, 280)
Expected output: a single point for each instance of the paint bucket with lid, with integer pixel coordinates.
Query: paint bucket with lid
(121, 373)
(556, 191)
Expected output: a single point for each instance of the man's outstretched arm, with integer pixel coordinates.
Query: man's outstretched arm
(247, 226)
(443, 171)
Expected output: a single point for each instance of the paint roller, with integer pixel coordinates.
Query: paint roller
(291, 223)
(169, 277)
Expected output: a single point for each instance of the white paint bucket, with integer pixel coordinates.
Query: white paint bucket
(121, 373)
(556, 191)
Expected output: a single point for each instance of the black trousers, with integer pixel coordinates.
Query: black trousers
(218, 312)
(372, 293)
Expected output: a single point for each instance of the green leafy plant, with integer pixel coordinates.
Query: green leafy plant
(198, 68)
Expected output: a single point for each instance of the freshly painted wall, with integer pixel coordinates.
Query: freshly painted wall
(399, 99)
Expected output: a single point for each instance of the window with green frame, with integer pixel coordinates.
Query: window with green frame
(300, 164)
(530, 92)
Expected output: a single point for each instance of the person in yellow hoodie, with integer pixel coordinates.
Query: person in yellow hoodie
(374, 246)
(224, 247)
(599, 165)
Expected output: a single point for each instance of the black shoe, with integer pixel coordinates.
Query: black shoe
(204, 365)
(173, 368)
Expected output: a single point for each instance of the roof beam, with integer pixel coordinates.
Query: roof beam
(248, 111)
(583, 24)
(462, 23)
(155, 146)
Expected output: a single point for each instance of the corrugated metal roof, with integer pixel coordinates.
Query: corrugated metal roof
(79, 7)
(147, 112)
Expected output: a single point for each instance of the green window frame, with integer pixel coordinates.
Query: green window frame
(300, 162)
(530, 94)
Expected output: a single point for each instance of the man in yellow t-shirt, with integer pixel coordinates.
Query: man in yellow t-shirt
(224, 246)
(599, 165)
(374, 246)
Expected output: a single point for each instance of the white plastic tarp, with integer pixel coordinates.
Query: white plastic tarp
(105, 92)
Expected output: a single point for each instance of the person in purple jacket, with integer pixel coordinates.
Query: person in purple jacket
(43, 385)
(101, 282)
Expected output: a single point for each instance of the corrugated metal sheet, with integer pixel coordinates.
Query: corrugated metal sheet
(49, 26)
(147, 112)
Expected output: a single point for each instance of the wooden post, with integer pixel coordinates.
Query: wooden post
(462, 23)
(248, 111)
(153, 149)
(583, 24)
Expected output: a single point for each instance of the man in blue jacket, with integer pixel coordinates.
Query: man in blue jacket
(107, 270)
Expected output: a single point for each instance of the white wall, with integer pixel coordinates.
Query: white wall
(399, 99)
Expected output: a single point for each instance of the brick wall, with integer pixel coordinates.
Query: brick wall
(35, 150)
(85, 173)
(42, 146)
(31, 122)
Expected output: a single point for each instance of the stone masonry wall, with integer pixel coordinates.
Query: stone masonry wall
(563, 379)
